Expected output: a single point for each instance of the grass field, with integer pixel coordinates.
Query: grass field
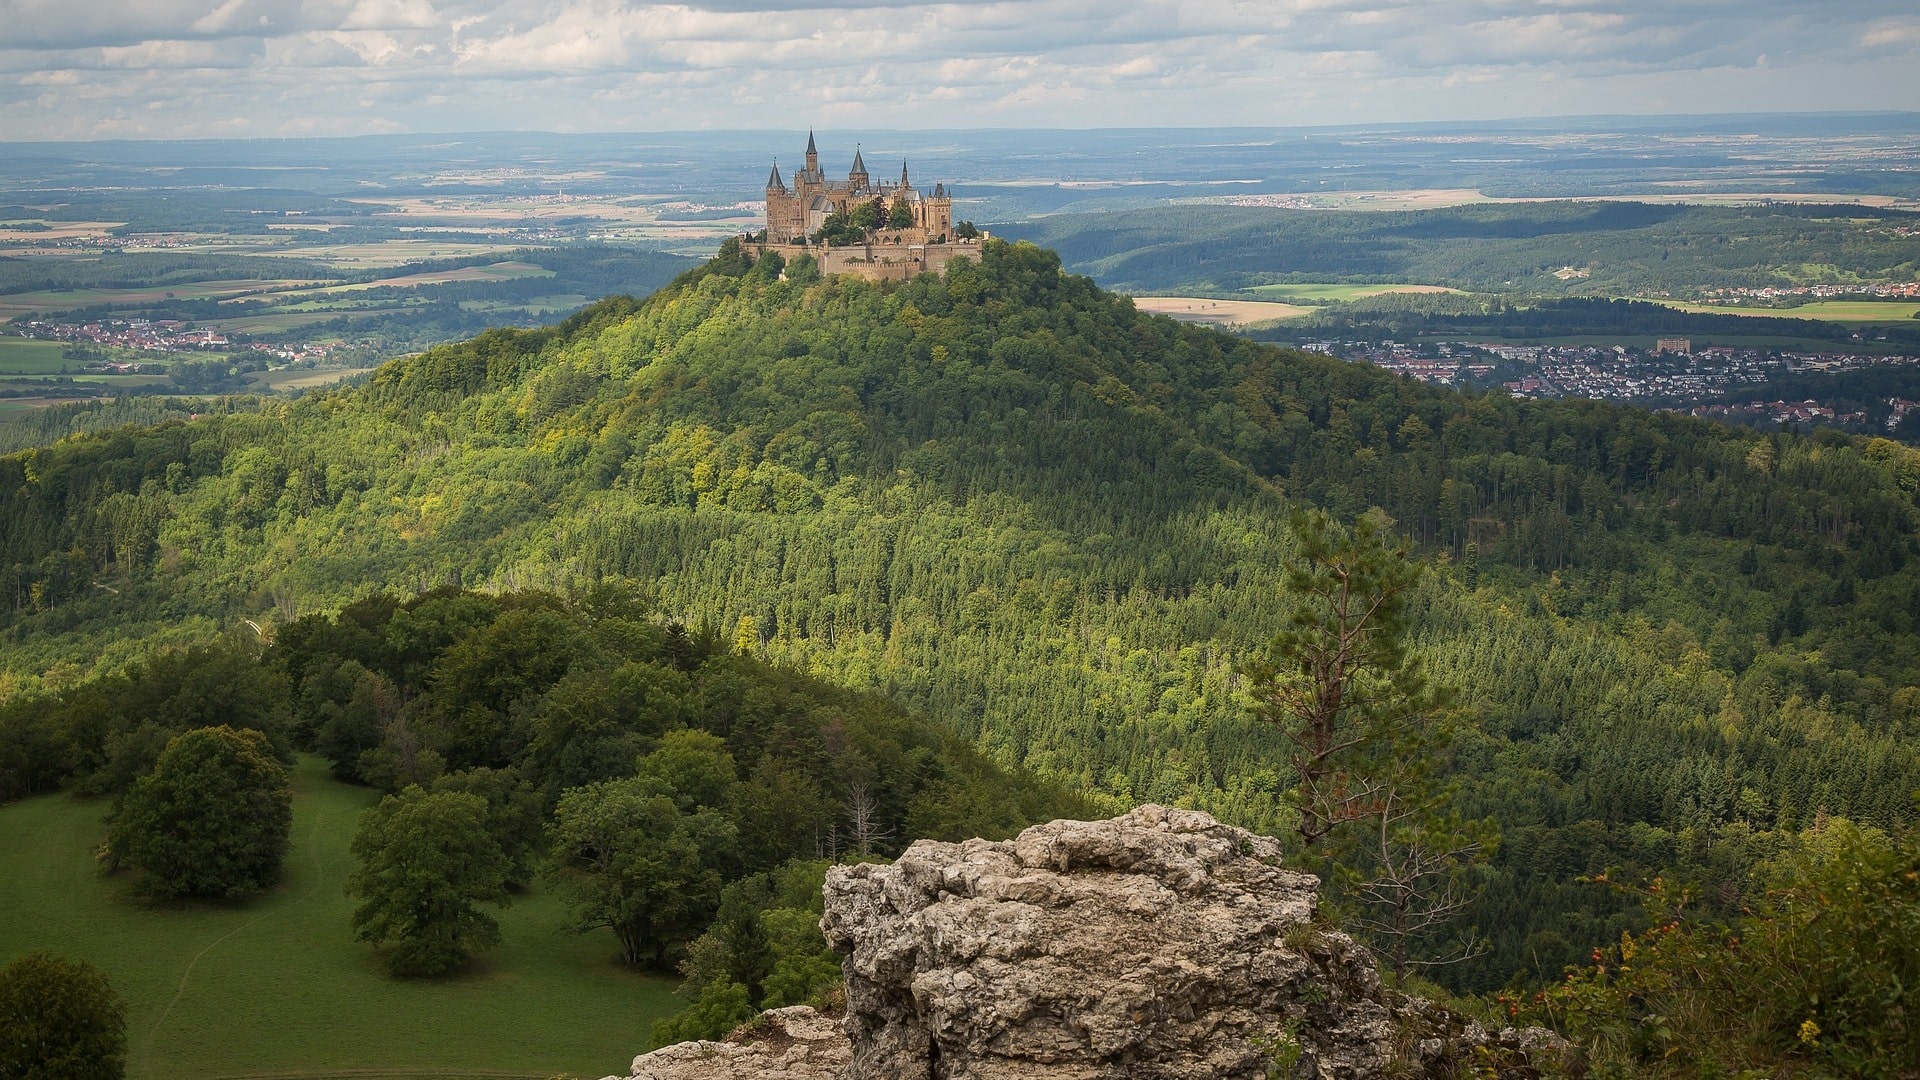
(501, 271)
(384, 253)
(1200, 309)
(303, 378)
(277, 987)
(14, 304)
(538, 305)
(1328, 293)
(10, 407)
(25, 356)
(288, 320)
(1849, 311)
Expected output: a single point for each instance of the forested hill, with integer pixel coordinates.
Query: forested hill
(1008, 499)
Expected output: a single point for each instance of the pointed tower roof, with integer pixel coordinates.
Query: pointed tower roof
(774, 183)
(903, 176)
(810, 148)
(859, 166)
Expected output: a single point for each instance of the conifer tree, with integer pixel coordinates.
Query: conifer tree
(1337, 679)
(1368, 734)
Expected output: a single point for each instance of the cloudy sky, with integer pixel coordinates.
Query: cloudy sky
(77, 69)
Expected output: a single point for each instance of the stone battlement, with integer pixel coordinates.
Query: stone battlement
(879, 261)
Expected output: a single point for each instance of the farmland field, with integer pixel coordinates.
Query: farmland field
(539, 305)
(1200, 309)
(24, 356)
(67, 299)
(276, 985)
(502, 271)
(303, 378)
(1858, 311)
(386, 252)
(1330, 293)
(289, 320)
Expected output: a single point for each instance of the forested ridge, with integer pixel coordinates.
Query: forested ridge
(1008, 500)
(1625, 248)
(1622, 248)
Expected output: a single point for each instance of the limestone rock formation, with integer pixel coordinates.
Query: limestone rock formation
(781, 1044)
(1161, 945)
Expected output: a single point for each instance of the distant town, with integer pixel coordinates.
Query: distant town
(1854, 291)
(1672, 375)
(162, 336)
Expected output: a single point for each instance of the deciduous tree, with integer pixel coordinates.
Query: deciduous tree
(628, 859)
(213, 818)
(426, 863)
(60, 1020)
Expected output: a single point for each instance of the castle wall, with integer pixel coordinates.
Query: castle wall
(879, 262)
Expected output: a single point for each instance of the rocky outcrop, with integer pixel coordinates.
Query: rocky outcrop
(1161, 945)
(781, 1044)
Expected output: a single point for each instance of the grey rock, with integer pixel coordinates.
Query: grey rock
(781, 1044)
(1160, 945)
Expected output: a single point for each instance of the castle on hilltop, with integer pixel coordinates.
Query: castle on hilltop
(883, 230)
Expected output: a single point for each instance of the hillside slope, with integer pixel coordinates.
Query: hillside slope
(1012, 501)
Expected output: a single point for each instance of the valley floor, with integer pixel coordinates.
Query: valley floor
(277, 987)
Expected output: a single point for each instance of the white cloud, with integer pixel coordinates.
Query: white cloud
(271, 66)
(391, 15)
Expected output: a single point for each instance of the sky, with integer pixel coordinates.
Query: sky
(90, 69)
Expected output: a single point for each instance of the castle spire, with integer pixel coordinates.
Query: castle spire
(774, 183)
(903, 176)
(813, 159)
(859, 166)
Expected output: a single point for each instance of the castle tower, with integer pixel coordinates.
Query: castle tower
(857, 179)
(799, 204)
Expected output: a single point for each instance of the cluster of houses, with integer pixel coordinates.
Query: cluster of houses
(1447, 364)
(151, 335)
(1779, 412)
(1672, 372)
(1909, 290)
(161, 336)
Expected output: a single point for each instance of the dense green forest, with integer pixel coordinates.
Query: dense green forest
(1622, 248)
(1403, 317)
(1008, 501)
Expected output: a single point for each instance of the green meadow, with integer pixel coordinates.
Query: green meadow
(25, 356)
(277, 987)
(1850, 311)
